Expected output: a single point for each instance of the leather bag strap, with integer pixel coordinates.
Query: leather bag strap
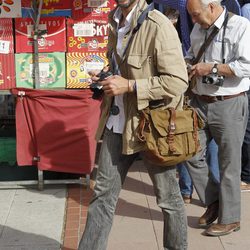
(171, 129)
(205, 45)
(141, 127)
(196, 125)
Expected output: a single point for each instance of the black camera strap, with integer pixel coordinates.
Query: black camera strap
(229, 15)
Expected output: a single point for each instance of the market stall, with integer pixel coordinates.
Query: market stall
(55, 130)
(47, 49)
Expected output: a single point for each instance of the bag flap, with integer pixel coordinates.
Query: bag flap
(184, 121)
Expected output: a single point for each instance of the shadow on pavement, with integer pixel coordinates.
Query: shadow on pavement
(12, 239)
(128, 209)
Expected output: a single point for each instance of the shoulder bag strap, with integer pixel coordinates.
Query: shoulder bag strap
(210, 38)
(205, 45)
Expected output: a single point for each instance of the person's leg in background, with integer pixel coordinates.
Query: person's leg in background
(185, 182)
(245, 167)
(212, 159)
(245, 160)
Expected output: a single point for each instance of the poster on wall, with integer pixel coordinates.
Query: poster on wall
(52, 40)
(7, 61)
(87, 35)
(51, 70)
(49, 8)
(92, 8)
(78, 66)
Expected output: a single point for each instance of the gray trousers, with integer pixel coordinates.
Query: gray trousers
(226, 123)
(111, 173)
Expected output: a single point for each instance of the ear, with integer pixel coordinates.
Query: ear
(211, 6)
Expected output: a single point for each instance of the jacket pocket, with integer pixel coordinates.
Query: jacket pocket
(140, 66)
(137, 60)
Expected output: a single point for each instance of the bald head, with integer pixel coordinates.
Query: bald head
(207, 2)
(204, 12)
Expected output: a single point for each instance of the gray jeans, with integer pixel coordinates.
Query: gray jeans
(111, 173)
(226, 123)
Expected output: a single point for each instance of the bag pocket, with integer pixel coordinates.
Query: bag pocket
(164, 149)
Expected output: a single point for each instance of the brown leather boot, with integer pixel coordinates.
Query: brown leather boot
(210, 215)
(187, 198)
(223, 229)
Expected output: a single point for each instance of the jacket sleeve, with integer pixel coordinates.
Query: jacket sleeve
(171, 80)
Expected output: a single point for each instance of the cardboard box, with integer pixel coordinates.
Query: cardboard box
(7, 71)
(92, 8)
(54, 40)
(87, 35)
(10, 9)
(78, 66)
(7, 60)
(77, 9)
(6, 36)
(49, 8)
(51, 70)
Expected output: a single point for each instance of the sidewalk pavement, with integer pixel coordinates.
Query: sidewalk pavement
(42, 220)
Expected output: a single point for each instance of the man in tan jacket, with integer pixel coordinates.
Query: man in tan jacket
(147, 68)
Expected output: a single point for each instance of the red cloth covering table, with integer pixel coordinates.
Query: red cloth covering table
(55, 130)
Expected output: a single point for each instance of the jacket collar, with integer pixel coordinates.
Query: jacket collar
(141, 6)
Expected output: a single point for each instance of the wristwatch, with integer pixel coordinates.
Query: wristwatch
(215, 69)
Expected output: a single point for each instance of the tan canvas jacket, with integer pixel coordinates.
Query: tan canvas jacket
(154, 59)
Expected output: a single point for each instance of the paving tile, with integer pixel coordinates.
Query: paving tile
(71, 242)
(71, 233)
(69, 225)
(76, 213)
(34, 220)
(73, 210)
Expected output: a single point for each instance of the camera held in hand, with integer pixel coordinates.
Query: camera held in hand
(213, 79)
(96, 87)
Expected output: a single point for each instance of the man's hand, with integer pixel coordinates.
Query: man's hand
(200, 69)
(115, 85)
(94, 73)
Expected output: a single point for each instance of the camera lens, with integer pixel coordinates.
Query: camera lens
(114, 110)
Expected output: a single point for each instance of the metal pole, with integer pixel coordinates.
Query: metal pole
(37, 15)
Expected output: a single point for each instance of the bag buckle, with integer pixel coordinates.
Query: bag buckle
(171, 127)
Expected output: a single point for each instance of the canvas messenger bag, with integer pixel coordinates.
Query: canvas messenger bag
(171, 136)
